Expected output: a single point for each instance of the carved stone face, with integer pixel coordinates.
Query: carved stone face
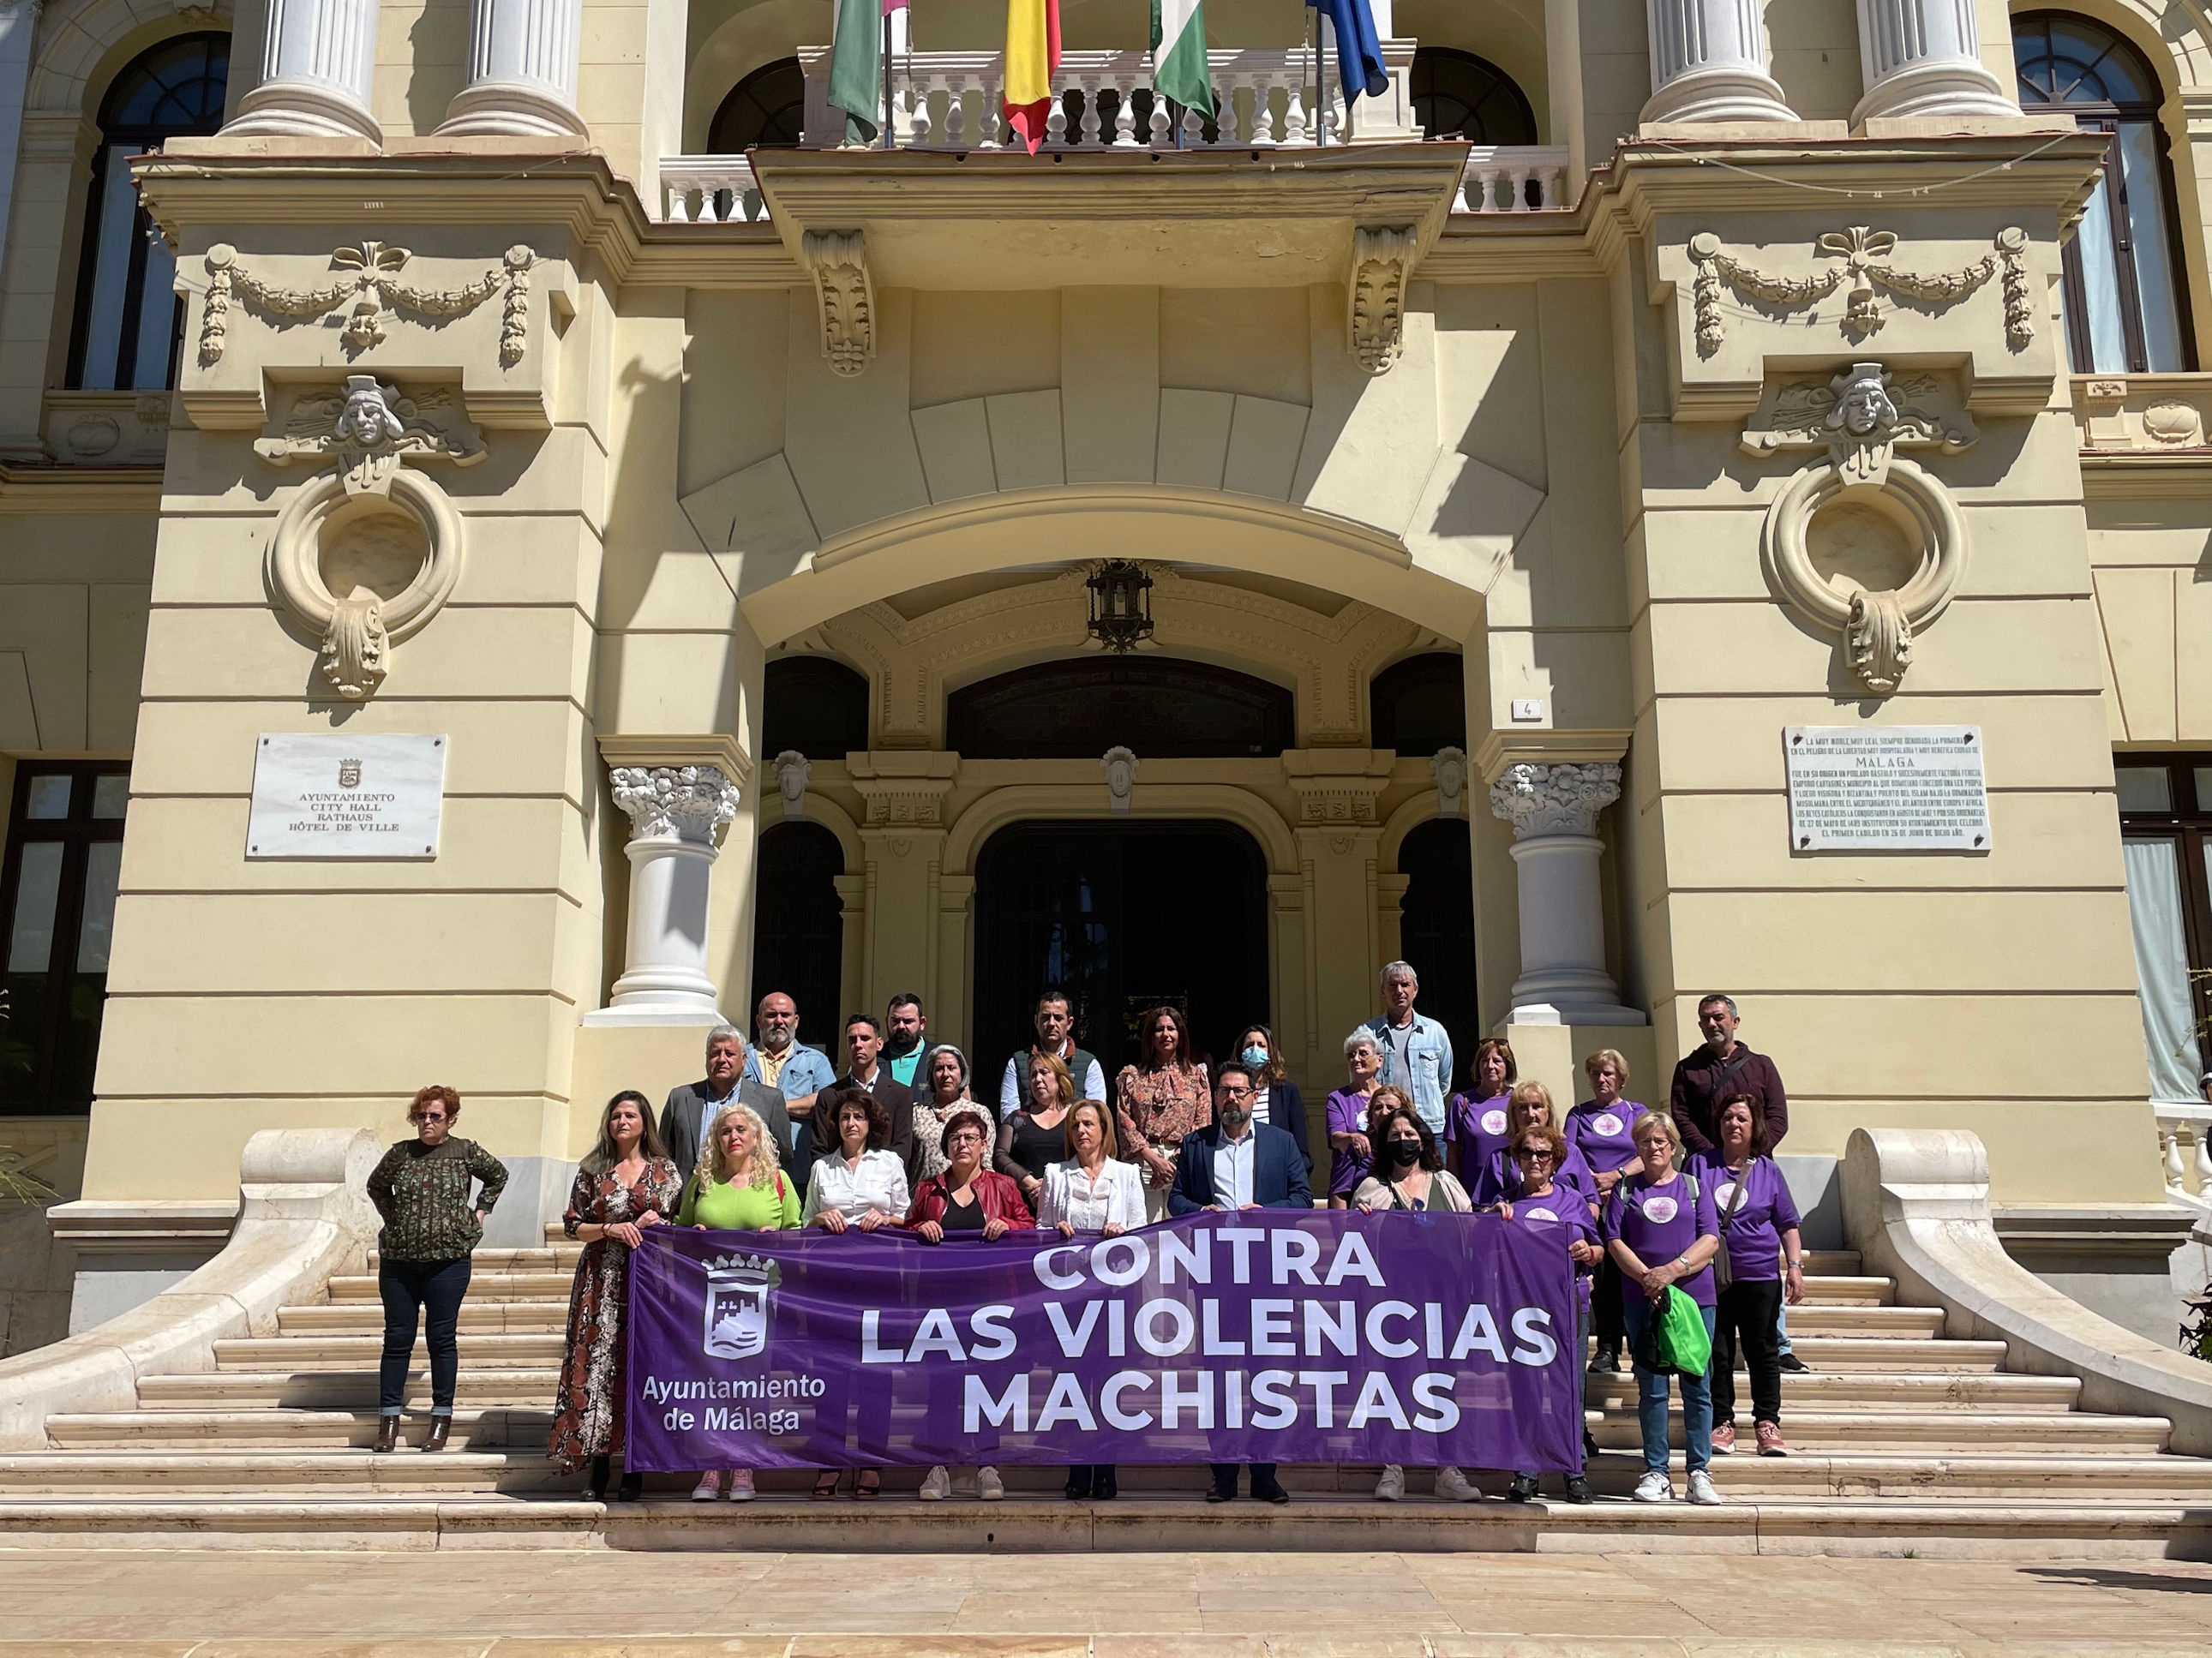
(367, 418)
(1865, 407)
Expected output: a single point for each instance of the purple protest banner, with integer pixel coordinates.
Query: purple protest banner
(1267, 1336)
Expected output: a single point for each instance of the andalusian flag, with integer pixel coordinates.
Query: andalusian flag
(1032, 54)
(856, 65)
(1179, 53)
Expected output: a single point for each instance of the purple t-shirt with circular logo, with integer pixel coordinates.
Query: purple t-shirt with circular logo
(1347, 1115)
(1763, 1214)
(1501, 1178)
(1660, 1223)
(1566, 1208)
(1478, 1128)
(1603, 1133)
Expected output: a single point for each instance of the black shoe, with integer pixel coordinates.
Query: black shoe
(1102, 1488)
(1522, 1490)
(1270, 1492)
(1215, 1494)
(1590, 1444)
(1577, 1489)
(440, 1427)
(595, 1481)
(1607, 1358)
(1791, 1362)
(1079, 1485)
(387, 1433)
(632, 1488)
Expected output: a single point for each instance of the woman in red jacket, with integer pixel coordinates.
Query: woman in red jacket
(966, 1199)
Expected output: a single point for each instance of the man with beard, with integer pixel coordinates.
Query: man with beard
(778, 1059)
(904, 1037)
(1235, 1163)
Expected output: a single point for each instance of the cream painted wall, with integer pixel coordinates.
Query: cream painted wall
(2151, 567)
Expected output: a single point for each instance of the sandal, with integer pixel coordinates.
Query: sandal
(825, 1483)
(868, 1483)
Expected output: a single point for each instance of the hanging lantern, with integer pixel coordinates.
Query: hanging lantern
(1120, 604)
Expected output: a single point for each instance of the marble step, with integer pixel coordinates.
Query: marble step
(1929, 1529)
(1868, 1474)
(484, 1388)
(525, 1426)
(1873, 1390)
(500, 1351)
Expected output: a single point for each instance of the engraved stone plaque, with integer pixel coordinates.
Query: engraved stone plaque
(1886, 788)
(317, 796)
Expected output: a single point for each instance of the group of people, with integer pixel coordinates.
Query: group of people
(774, 1138)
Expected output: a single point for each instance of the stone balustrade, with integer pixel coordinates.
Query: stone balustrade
(2185, 1152)
(711, 189)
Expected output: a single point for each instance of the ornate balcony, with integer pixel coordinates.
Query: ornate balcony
(2185, 1153)
(948, 102)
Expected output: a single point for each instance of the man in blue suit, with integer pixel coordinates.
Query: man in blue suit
(1236, 1163)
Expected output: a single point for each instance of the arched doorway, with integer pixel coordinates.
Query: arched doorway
(1123, 917)
(1436, 931)
(799, 926)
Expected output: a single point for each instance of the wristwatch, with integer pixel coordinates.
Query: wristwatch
(1682, 1262)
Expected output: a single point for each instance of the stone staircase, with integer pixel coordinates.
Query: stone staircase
(1900, 1438)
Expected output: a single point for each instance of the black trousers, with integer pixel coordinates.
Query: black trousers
(1747, 1306)
(1605, 1300)
(1225, 1475)
(436, 1288)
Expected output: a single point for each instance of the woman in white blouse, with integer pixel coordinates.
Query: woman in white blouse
(1096, 1192)
(860, 1183)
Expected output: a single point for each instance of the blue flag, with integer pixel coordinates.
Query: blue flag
(1358, 54)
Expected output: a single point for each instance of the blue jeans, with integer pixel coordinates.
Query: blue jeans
(436, 1288)
(1782, 1328)
(1652, 1399)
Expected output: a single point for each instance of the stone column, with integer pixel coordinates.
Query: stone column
(522, 72)
(1553, 811)
(675, 812)
(1924, 57)
(19, 21)
(316, 60)
(1709, 63)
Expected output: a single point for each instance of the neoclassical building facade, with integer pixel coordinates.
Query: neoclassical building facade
(1200, 561)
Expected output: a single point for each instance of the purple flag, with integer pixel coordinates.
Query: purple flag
(1263, 1336)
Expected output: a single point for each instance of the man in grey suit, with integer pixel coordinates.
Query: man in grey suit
(690, 1108)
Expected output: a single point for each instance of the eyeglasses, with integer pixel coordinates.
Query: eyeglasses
(429, 1116)
(1230, 1091)
(1534, 1155)
(968, 1137)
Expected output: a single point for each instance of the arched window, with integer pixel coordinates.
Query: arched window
(129, 317)
(768, 107)
(1436, 929)
(1419, 706)
(815, 705)
(1162, 707)
(799, 927)
(2124, 296)
(1457, 95)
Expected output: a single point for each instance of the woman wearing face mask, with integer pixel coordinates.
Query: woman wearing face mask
(1410, 1179)
(1279, 1103)
(1540, 1200)
(1351, 1146)
(1475, 1126)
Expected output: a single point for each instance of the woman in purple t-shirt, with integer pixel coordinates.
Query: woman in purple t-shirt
(1603, 1128)
(1474, 1122)
(1659, 1228)
(1767, 1262)
(1540, 1201)
(1352, 1149)
(1529, 1106)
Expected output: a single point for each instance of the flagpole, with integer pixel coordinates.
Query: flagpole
(887, 80)
(1320, 81)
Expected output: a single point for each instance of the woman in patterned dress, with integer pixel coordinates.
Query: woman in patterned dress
(940, 1087)
(1161, 1100)
(627, 1184)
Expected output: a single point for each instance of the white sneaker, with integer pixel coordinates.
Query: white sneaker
(936, 1484)
(708, 1488)
(989, 1488)
(1392, 1485)
(1454, 1487)
(741, 1486)
(1701, 1490)
(1654, 1487)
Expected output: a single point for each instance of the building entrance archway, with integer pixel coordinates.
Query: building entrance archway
(1123, 917)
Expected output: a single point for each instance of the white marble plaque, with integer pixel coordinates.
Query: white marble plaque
(346, 797)
(1886, 788)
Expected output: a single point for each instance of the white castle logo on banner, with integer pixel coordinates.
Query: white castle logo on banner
(738, 1290)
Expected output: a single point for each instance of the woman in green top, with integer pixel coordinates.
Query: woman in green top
(430, 1228)
(737, 1187)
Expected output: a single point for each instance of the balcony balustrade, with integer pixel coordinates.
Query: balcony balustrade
(949, 102)
(2185, 1152)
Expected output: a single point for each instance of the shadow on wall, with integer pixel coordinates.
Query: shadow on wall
(37, 1275)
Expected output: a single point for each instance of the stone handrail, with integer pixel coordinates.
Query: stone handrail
(303, 1215)
(2185, 1152)
(1916, 1208)
(711, 189)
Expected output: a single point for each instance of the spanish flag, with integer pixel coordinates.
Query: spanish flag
(1032, 54)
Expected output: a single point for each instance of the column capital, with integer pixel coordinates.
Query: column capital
(689, 804)
(1542, 800)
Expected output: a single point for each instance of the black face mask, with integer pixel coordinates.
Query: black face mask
(1404, 1154)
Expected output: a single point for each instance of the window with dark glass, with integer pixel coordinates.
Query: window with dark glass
(129, 318)
(1436, 927)
(2166, 839)
(1457, 95)
(1161, 707)
(798, 928)
(1419, 706)
(815, 705)
(2125, 300)
(768, 108)
(57, 897)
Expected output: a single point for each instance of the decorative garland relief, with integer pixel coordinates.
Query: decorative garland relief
(372, 284)
(1866, 255)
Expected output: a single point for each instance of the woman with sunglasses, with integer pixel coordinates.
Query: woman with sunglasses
(1410, 1178)
(1542, 1199)
(966, 1199)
